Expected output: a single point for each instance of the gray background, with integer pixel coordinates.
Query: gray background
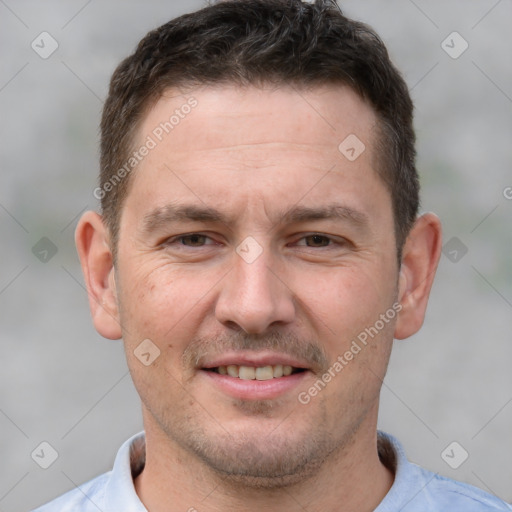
(62, 383)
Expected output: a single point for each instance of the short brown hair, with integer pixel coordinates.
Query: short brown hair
(253, 42)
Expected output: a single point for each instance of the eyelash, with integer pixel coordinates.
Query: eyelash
(188, 235)
(319, 235)
(332, 241)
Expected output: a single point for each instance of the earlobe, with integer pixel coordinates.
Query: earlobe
(93, 247)
(420, 258)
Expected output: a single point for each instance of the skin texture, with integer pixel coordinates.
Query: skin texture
(252, 155)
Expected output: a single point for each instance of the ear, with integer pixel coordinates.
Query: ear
(92, 242)
(420, 257)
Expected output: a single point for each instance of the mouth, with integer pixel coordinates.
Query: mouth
(256, 372)
(255, 376)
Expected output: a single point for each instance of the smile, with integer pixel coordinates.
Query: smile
(249, 375)
(256, 372)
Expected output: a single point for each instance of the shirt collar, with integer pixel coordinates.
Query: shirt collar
(407, 476)
(120, 490)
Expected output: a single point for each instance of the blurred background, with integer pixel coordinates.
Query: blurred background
(62, 384)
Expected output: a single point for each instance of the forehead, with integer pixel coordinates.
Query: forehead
(225, 144)
(231, 115)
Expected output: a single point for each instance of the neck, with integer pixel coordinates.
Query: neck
(352, 479)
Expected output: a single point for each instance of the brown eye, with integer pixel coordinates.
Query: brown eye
(317, 241)
(193, 240)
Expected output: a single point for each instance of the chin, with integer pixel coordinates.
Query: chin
(256, 460)
(247, 481)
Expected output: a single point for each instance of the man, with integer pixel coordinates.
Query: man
(258, 251)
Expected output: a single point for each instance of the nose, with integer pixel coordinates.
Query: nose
(254, 297)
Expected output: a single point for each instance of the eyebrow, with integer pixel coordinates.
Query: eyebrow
(162, 216)
(329, 212)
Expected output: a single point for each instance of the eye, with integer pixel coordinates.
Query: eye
(193, 240)
(190, 240)
(315, 240)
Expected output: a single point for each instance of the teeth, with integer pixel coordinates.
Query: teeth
(247, 373)
(264, 373)
(256, 373)
(232, 370)
(278, 371)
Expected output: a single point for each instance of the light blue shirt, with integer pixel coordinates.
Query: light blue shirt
(414, 490)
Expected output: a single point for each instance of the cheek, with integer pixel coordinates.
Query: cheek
(346, 306)
(358, 305)
(156, 307)
(164, 304)
(149, 302)
(344, 300)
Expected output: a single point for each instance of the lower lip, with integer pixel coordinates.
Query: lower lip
(255, 389)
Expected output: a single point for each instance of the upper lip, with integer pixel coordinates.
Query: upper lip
(256, 359)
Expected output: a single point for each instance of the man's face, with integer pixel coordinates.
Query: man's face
(249, 240)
